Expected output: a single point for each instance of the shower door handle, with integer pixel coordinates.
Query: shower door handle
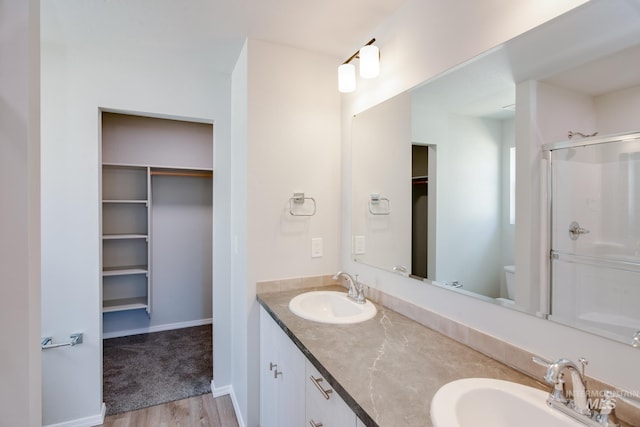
(575, 230)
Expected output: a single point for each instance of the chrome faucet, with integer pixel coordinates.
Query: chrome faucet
(554, 376)
(635, 340)
(356, 290)
(577, 405)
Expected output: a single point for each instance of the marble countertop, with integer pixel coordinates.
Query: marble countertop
(386, 369)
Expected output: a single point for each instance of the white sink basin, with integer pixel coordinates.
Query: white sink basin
(331, 307)
(481, 402)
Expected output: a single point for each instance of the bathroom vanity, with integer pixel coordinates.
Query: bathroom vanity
(382, 372)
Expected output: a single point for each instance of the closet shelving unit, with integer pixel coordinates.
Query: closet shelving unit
(126, 237)
(126, 218)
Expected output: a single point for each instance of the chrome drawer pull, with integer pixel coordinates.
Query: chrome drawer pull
(47, 342)
(314, 424)
(273, 366)
(324, 392)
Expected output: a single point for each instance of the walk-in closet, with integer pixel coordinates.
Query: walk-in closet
(156, 223)
(156, 176)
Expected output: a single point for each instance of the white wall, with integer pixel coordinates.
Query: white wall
(468, 204)
(618, 111)
(419, 28)
(382, 164)
(240, 292)
(288, 100)
(468, 216)
(75, 84)
(293, 137)
(561, 110)
(20, 214)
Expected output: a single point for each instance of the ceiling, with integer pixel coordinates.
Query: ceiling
(597, 78)
(213, 27)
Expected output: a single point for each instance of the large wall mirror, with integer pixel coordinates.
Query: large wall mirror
(449, 177)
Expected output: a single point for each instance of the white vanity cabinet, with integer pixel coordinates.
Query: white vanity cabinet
(292, 391)
(282, 372)
(324, 406)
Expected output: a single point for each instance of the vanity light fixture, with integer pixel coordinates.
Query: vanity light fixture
(369, 56)
(369, 61)
(346, 78)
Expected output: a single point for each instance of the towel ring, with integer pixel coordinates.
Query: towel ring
(299, 199)
(375, 200)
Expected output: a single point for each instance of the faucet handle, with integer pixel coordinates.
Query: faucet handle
(358, 284)
(557, 394)
(607, 405)
(583, 362)
(547, 364)
(558, 391)
(359, 291)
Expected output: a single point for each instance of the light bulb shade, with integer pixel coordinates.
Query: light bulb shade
(346, 78)
(369, 61)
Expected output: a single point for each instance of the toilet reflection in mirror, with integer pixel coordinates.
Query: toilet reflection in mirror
(510, 281)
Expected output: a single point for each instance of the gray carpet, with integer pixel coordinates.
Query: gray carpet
(149, 369)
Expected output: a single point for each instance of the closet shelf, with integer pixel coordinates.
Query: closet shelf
(109, 306)
(182, 172)
(124, 236)
(421, 179)
(124, 270)
(125, 201)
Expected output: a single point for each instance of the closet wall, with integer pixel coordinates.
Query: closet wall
(160, 225)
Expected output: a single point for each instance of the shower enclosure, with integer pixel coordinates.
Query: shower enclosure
(594, 195)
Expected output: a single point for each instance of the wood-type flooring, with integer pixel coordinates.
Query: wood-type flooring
(199, 411)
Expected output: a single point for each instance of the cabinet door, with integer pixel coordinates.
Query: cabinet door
(324, 406)
(282, 370)
(268, 384)
(291, 382)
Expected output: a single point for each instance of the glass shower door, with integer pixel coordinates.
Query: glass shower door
(595, 236)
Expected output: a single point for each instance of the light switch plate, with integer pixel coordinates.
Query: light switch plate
(316, 247)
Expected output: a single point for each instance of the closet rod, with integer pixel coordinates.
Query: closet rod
(202, 174)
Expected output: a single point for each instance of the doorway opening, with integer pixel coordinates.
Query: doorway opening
(423, 164)
(156, 258)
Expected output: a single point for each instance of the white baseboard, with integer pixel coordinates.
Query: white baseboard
(220, 391)
(94, 420)
(157, 328)
(224, 390)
